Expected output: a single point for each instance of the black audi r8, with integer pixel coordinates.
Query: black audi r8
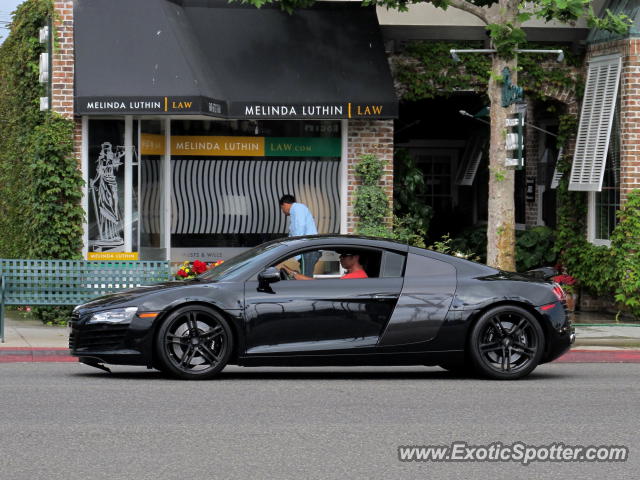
(410, 306)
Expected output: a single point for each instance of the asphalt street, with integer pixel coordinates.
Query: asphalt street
(69, 421)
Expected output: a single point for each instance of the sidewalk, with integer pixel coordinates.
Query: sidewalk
(598, 338)
(31, 341)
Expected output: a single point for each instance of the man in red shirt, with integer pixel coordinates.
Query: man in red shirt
(349, 261)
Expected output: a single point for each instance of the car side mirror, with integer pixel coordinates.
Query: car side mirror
(270, 275)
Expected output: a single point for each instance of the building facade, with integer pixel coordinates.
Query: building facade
(192, 119)
(187, 136)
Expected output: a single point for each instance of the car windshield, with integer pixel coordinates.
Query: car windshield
(239, 262)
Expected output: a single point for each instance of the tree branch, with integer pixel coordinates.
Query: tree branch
(469, 7)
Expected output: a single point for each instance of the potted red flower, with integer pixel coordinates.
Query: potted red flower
(189, 270)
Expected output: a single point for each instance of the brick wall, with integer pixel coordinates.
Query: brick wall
(630, 109)
(630, 119)
(368, 136)
(62, 69)
(62, 60)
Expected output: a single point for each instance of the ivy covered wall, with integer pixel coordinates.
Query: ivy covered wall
(424, 70)
(40, 183)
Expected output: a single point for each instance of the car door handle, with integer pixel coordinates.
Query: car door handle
(385, 296)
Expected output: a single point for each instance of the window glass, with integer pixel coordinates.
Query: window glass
(240, 263)
(607, 201)
(393, 264)
(106, 186)
(151, 186)
(323, 264)
(227, 177)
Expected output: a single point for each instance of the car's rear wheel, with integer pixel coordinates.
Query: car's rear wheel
(194, 343)
(506, 343)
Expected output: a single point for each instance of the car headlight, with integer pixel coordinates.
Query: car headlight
(118, 315)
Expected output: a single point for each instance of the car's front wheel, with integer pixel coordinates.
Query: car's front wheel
(506, 343)
(194, 343)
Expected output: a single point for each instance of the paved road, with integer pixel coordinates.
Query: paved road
(69, 421)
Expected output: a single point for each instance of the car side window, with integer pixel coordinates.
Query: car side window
(392, 265)
(316, 264)
(340, 263)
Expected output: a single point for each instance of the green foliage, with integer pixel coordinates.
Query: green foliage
(413, 216)
(371, 230)
(430, 71)
(534, 248)
(40, 184)
(370, 169)
(287, 5)
(473, 239)
(625, 248)
(53, 315)
(409, 230)
(19, 115)
(506, 37)
(55, 223)
(371, 204)
(619, 23)
(372, 207)
(449, 246)
(592, 266)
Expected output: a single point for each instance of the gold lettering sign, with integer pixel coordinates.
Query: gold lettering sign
(203, 146)
(357, 110)
(113, 256)
(217, 146)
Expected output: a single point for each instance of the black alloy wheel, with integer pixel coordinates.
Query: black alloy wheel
(194, 343)
(506, 343)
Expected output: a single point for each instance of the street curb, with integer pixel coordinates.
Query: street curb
(633, 343)
(600, 356)
(31, 354)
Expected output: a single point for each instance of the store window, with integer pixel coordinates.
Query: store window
(227, 177)
(154, 236)
(604, 205)
(106, 186)
(215, 195)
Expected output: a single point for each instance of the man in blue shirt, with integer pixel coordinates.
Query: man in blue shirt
(302, 223)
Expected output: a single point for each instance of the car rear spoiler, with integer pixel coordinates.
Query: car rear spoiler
(542, 273)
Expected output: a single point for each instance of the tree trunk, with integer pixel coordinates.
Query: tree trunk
(501, 224)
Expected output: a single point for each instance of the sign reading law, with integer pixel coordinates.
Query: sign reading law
(242, 146)
(240, 110)
(305, 111)
(150, 105)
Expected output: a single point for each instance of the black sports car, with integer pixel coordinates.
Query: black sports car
(363, 301)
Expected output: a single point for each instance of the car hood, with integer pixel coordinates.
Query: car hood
(133, 296)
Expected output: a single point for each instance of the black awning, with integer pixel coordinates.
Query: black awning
(230, 60)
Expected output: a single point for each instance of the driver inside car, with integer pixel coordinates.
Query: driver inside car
(349, 261)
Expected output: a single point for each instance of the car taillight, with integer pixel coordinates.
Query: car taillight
(559, 293)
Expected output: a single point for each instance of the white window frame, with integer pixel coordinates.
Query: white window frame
(344, 177)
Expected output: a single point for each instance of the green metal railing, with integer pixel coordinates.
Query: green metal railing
(71, 282)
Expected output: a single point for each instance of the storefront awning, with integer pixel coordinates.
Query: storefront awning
(208, 57)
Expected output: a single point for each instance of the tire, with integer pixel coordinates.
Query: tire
(194, 343)
(506, 343)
